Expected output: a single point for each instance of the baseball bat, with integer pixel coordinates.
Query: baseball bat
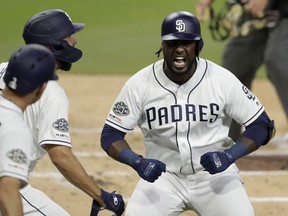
(96, 208)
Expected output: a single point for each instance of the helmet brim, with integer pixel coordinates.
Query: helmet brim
(78, 27)
(181, 36)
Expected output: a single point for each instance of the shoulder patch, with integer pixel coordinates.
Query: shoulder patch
(18, 156)
(61, 125)
(120, 108)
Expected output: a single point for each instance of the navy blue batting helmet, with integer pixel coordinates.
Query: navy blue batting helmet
(182, 25)
(49, 28)
(29, 67)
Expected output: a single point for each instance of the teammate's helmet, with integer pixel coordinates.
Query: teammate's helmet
(182, 25)
(49, 28)
(29, 67)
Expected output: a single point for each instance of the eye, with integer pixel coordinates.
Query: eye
(170, 43)
(187, 42)
(175, 43)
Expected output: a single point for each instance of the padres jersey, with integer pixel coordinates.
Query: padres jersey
(3, 67)
(15, 141)
(182, 122)
(47, 118)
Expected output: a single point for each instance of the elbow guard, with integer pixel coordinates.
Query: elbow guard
(269, 125)
(271, 131)
(261, 131)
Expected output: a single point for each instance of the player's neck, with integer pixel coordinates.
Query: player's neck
(18, 100)
(179, 78)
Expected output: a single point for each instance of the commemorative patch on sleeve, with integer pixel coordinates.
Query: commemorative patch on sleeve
(18, 156)
(61, 125)
(120, 108)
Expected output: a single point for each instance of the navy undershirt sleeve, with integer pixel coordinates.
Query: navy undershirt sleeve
(109, 135)
(259, 131)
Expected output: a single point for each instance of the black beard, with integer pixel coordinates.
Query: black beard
(66, 66)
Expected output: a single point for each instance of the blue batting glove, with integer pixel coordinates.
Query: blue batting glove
(148, 169)
(114, 202)
(216, 162)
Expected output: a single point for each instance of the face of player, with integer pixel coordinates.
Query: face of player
(71, 40)
(180, 59)
(66, 66)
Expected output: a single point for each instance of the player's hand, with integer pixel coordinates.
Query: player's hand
(149, 169)
(114, 202)
(216, 162)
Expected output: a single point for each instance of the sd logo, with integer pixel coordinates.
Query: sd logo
(180, 26)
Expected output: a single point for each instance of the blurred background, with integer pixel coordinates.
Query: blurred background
(120, 37)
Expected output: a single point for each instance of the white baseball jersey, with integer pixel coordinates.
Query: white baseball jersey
(181, 123)
(47, 118)
(3, 67)
(15, 141)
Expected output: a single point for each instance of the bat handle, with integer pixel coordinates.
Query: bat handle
(95, 208)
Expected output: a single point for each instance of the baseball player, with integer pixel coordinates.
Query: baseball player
(29, 69)
(48, 118)
(183, 105)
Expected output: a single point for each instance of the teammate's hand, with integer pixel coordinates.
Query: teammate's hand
(149, 169)
(216, 162)
(114, 202)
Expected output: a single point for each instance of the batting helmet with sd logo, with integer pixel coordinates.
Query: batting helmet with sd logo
(49, 28)
(182, 25)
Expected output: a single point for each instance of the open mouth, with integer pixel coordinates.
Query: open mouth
(179, 61)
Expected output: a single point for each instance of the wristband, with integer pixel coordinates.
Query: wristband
(127, 156)
(239, 149)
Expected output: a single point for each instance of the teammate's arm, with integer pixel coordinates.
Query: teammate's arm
(256, 134)
(70, 167)
(113, 142)
(10, 201)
